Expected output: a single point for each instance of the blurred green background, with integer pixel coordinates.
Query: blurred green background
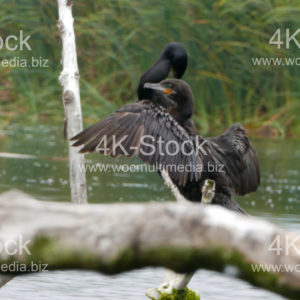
(117, 40)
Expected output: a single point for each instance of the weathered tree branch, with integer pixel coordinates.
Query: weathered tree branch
(4, 279)
(172, 280)
(119, 237)
(69, 79)
(174, 189)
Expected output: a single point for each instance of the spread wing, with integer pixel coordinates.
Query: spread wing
(147, 130)
(234, 150)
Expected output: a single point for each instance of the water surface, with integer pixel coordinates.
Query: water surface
(277, 200)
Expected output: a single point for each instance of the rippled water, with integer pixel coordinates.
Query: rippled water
(277, 200)
(132, 285)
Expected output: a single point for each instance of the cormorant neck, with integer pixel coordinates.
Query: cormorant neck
(173, 56)
(155, 74)
(184, 109)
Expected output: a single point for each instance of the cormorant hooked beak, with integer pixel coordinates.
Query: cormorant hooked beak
(165, 101)
(159, 87)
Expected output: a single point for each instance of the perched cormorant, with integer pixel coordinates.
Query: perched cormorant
(173, 56)
(156, 134)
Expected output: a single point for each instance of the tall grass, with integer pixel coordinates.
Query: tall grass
(117, 40)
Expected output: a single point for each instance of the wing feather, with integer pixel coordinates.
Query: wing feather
(234, 150)
(130, 125)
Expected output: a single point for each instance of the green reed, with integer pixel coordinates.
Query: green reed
(117, 40)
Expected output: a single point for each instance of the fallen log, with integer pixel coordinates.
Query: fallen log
(112, 238)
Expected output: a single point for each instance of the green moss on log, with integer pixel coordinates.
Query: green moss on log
(51, 251)
(185, 294)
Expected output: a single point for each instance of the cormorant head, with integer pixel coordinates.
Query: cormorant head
(175, 89)
(180, 93)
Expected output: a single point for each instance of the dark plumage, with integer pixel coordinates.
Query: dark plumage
(173, 56)
(229, 159)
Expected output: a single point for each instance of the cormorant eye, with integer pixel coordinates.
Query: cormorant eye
(169, 85)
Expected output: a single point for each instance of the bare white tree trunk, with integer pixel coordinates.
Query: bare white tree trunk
(69, 79)
(119, 237)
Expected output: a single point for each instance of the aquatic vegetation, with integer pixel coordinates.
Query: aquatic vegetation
(118, 40)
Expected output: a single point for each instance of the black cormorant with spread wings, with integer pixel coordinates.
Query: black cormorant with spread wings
(165, 137)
